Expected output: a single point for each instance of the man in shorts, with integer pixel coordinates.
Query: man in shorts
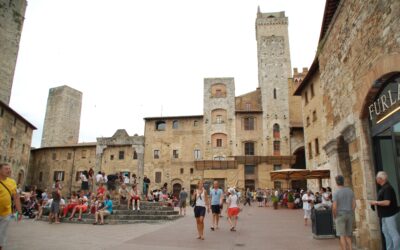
(343, 212)
(8, 192)
(216, 197)
(182, 202)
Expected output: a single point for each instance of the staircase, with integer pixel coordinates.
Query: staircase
(149, 213)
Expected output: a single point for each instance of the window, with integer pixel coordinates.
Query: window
(83, 154)
(58, 175)
(121, 155)
(175, 154)
(219, 119)
(249, 169)
(277, 185)
(40, 176)
(312, 90)
(309, 150)
(248, 123)
(219, 158)
(69, 156)
(308, 121)
(175, 124)
(134, 155)
(305, 97)
(195, 123)
(197, 154)
(316, 146)
(219, 143)
(181, 170)
(314, 115)
(11, 142)
(277, 147)
(249, 148)
(156, 154)
(191, 170)
(160, 125)
(15, 120)
(218, 93)
(248, 106)
(276, 131)
(277, 167)
(274, 93)
(111, 157)
(54, 156)
(158, 177)
(78, 175)
(23, 148)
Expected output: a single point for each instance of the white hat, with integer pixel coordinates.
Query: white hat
(231, 190)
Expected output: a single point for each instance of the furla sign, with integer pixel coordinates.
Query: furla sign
(385, 105)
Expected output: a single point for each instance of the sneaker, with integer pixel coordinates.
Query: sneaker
(138, 209)
(133, 209)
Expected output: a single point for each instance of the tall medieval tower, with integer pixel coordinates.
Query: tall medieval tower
(12, 14)
(274, 70)
(63, 114)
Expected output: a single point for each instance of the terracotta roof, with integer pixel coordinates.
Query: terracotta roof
(172, 117)
(9, 109)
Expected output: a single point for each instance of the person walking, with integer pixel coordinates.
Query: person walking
(307, 199)
(343, 212)
(216, 197)
(201, 202)
(232, 208)
(248, 196)
(8, 194)
(182, 201)
(388, 211)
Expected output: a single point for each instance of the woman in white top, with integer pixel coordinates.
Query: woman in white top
(201, 198)
(233, 208)
(307, 205)
(85, 182)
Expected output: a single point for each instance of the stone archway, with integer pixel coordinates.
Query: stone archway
(176, 189)
(299, 164)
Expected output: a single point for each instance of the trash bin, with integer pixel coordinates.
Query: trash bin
(322, 224)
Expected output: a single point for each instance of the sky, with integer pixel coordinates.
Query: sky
(135, 59)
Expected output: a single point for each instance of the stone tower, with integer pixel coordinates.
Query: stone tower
(219, 118)
(63, 114)
(274, 70)
(12, 14)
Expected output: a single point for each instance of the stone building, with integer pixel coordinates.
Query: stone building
(62, 120)
(356, 80)
(12, 14)
(15, 142)
(120, 153)
(238, 140)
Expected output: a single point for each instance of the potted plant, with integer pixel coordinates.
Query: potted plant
(290, 203)
(275, 201)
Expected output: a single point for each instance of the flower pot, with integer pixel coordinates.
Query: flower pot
(290, 205)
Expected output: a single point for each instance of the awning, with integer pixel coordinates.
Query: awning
(299, 174)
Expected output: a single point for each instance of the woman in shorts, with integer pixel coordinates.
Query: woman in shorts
(201, 202)
(233, 208)
(135, 198)
(82, 207)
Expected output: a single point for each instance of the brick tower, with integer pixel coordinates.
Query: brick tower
(12, 14)
(63, 113)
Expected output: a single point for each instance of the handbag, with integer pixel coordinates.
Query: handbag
(11, 197)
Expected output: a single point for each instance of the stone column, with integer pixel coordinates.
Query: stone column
(99, 157)
(140, 165)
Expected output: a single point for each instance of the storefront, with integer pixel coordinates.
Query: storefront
(384, 117)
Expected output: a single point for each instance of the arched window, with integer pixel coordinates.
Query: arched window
(160, 125)
(274, 93)
(175, 124)
(277, 131)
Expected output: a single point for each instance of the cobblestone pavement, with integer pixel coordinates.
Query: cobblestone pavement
(258, 228)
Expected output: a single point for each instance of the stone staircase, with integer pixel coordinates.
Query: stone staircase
(150, 212)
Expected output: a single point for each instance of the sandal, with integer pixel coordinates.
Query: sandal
(212, 228)
(94, 223)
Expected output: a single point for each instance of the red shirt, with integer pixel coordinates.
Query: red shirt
(101, 190)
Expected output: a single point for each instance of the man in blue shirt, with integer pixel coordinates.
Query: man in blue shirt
(106, 210)
(217, 197)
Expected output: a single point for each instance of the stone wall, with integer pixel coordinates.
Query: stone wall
(12, 14)
(62, 120)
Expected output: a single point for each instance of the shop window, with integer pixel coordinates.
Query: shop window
(277, 167)
(249, 148)
(175, 124)
(160, 125)
(58, 175)
(249, 169)
(276, 131)
(83, 154)
(310, 150)
(314, 115)
(248, 123)
(134, 155)
(40, 176)
(197, 154)
(158, 177)
(175, 154)
(156, 154)
(316, 147)
(277, 148)
(181, 170)
(121, 155)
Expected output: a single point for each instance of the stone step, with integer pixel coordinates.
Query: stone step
(108, 221)
(144, 207)
(147, 212)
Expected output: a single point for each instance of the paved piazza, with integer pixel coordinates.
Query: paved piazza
(258, 228)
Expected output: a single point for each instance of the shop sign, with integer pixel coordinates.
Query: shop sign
(385, 105)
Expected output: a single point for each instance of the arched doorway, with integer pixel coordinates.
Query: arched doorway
(176, 189)
(299, 164)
